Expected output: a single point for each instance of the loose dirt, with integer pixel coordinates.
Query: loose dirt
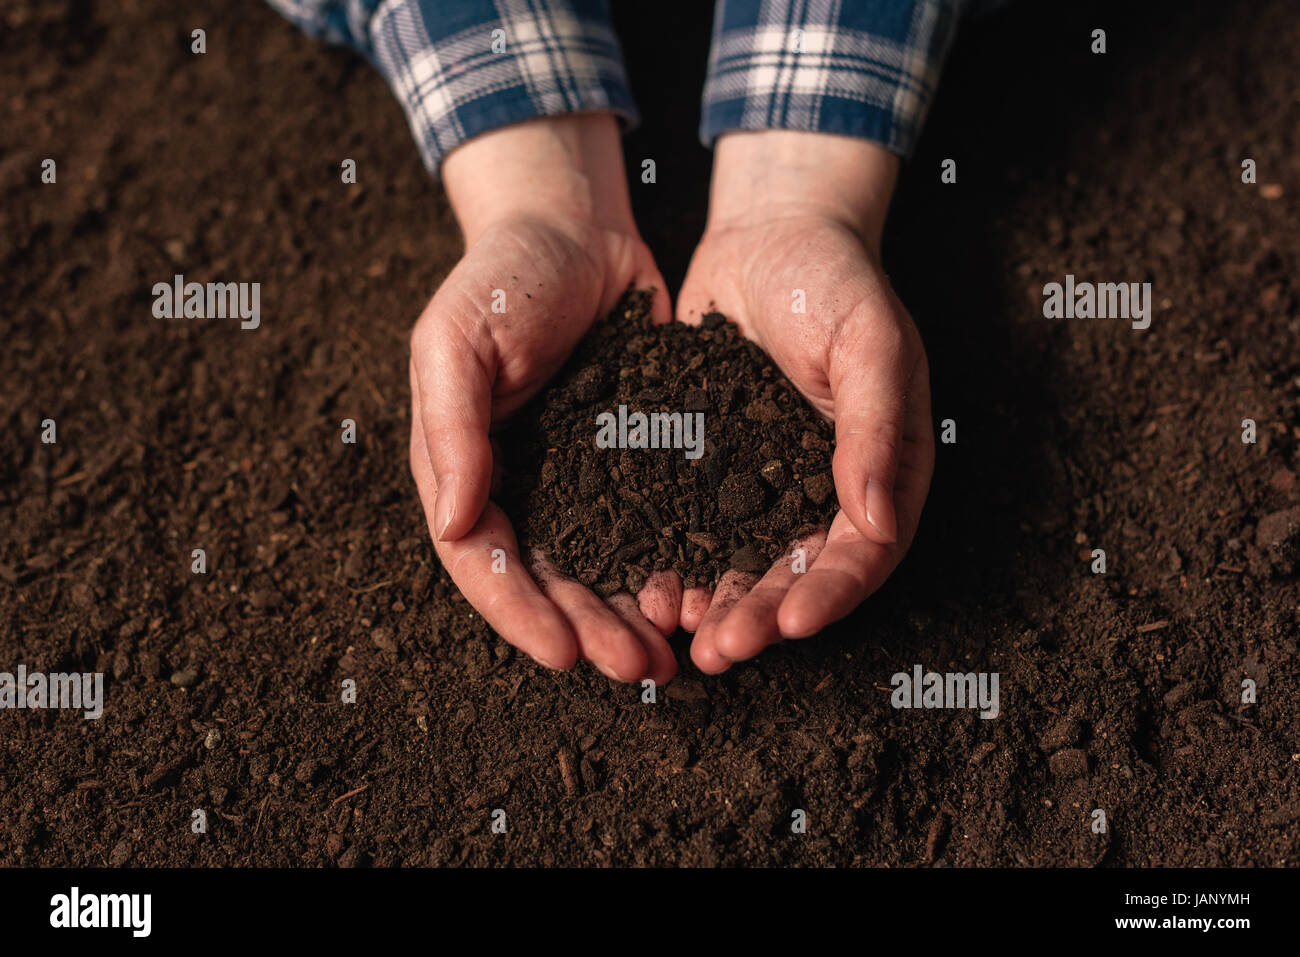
(735, 470)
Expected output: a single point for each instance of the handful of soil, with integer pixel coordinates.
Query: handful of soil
(610, 472)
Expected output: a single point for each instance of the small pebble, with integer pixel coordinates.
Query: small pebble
(686, 689)
(1062, 733)
(120, 854)
(818, 488)
(1069, 764)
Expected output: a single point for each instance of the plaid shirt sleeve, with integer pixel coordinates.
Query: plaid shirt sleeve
(864, 68)
(463, 67)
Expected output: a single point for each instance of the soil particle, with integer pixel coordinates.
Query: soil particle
(569, 771)
(1070, 763)
(1279, 535)
(120, 854)
(354, 856)
(1061, 734)
(687, 689)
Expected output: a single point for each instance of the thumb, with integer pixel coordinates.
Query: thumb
(869, 388)
(452, 391)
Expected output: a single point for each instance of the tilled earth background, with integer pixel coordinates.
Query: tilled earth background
(1120, 692)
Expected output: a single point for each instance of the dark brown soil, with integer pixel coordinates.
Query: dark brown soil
(759, 478)
(1119, 692)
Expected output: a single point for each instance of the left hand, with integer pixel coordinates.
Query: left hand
(800, 214)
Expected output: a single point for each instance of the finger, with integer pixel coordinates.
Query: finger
(852, 566)
(603, 637)
(486, 567)
(849, 568)
(751, 625)
(661, 309)
(661, 662)
(703, 291)
(453, 401)
(660, 600)
(868, 379)
(633, 258)
(704, 649)
(695, 604)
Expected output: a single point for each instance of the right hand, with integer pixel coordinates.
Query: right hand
(546, 218)
(790, 211)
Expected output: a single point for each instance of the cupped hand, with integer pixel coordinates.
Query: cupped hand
(791, 254)
(550, 248)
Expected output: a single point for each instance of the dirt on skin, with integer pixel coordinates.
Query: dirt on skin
(1119, 691)
(737, 470)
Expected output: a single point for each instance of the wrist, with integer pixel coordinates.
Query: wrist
(564, 169)
(773, 174)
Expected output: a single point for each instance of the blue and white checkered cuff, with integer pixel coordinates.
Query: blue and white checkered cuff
(867, 69)
(462, 68)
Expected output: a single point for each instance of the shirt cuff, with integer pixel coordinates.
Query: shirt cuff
(463, 68)
(866, 69)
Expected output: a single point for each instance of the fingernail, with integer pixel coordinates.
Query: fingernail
(445, 507)
(607, 672)
(881, 519)
(545, 664)
(889, 537)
